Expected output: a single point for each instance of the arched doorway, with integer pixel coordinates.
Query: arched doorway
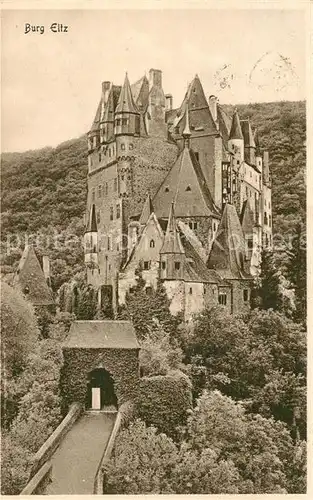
(100, 390)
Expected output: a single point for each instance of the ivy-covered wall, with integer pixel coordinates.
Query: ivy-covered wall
(123, 365)
(164, 401)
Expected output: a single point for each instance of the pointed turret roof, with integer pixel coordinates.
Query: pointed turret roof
(257, 141)
(146, 210)
(186, 185)
(247, 218)
(140, 91)
(247, 133)
(186, 131)
(235, 131)
(200, 116)
(96, 122)
(31, 280)
(228, 249)
(92, 221)
(172, 242)
(126, 103)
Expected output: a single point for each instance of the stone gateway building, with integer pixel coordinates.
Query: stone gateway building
(101, 364)
(183, 194)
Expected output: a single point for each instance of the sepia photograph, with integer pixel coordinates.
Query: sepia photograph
(154, 250)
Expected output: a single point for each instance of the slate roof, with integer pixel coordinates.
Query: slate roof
(172, 242)
(126, 103)
(247, 133)
(195, 268)
(146, 210)
(102, 335)
(247, 218)
(224, 122)
(30, 275)
(96, 122)
(186, 185)
(228, 249)
(140, 92)
(235, 131)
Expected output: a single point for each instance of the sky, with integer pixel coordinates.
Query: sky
(51, 82)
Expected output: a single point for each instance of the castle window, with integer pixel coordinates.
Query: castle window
(93, 194)
(115, 184)
(265, 218)
(131, 146)
(124, 121)
(245, 295)
(238, 162)
(148, 290)
(106, 188)
(177, 266)
(193, 225)
(197, 156)
(118, 122)
(123, 147)
(146, 265)
(163, 265)
(100, 191)
(110, 152)
(188, 188)
(152, 244)
(204, 291)
(167, 189)
(222, 299)
(111, 213)
(98, 216)
(118, 211)
(190, 291)
(214, 226)
(99, 156)
(109, 243)
(250, 243)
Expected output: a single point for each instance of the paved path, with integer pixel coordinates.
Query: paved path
(75, 462)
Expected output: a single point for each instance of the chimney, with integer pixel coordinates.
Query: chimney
(213, 106)
(105, 87)
(46, 268)
(155, 78)
(168, 102)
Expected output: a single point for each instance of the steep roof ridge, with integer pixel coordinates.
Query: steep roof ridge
(147, 210)
(126, 103)
(235, 131)
(172, 242)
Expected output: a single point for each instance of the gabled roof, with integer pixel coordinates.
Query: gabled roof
(102, 335)
(96, 122)
(186, 185)
(235, 131)
(247, 133)
(228, 249)
(146, 210)
(195, 268)
(30, 277)
(172, 242)
(126, 103)
(92, 221)
(247, 218)
(140, 92)
(200, 117)
(224, 122)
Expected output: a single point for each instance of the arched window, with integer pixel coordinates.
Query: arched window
(152, 244)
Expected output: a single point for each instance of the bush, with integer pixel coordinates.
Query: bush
(164, 401)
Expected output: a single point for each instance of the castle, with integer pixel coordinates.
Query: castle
(183, 194)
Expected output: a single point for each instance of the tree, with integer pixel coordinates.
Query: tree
(269, 290)
(296, 271)
(158, 355)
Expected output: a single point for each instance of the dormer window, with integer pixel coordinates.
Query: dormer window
(188, 188)
(166, 189)
(152, 244)
(146, 265)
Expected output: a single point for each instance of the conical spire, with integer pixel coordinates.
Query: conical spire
(126, 102)
(247, 133)
(146, 211)
(186, 132)
(257, 142)
(235, 131)
(172, 243)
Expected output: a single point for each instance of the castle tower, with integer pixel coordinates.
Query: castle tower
(127, 116)
(91, 240)
(235, 141)
(172, 254)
